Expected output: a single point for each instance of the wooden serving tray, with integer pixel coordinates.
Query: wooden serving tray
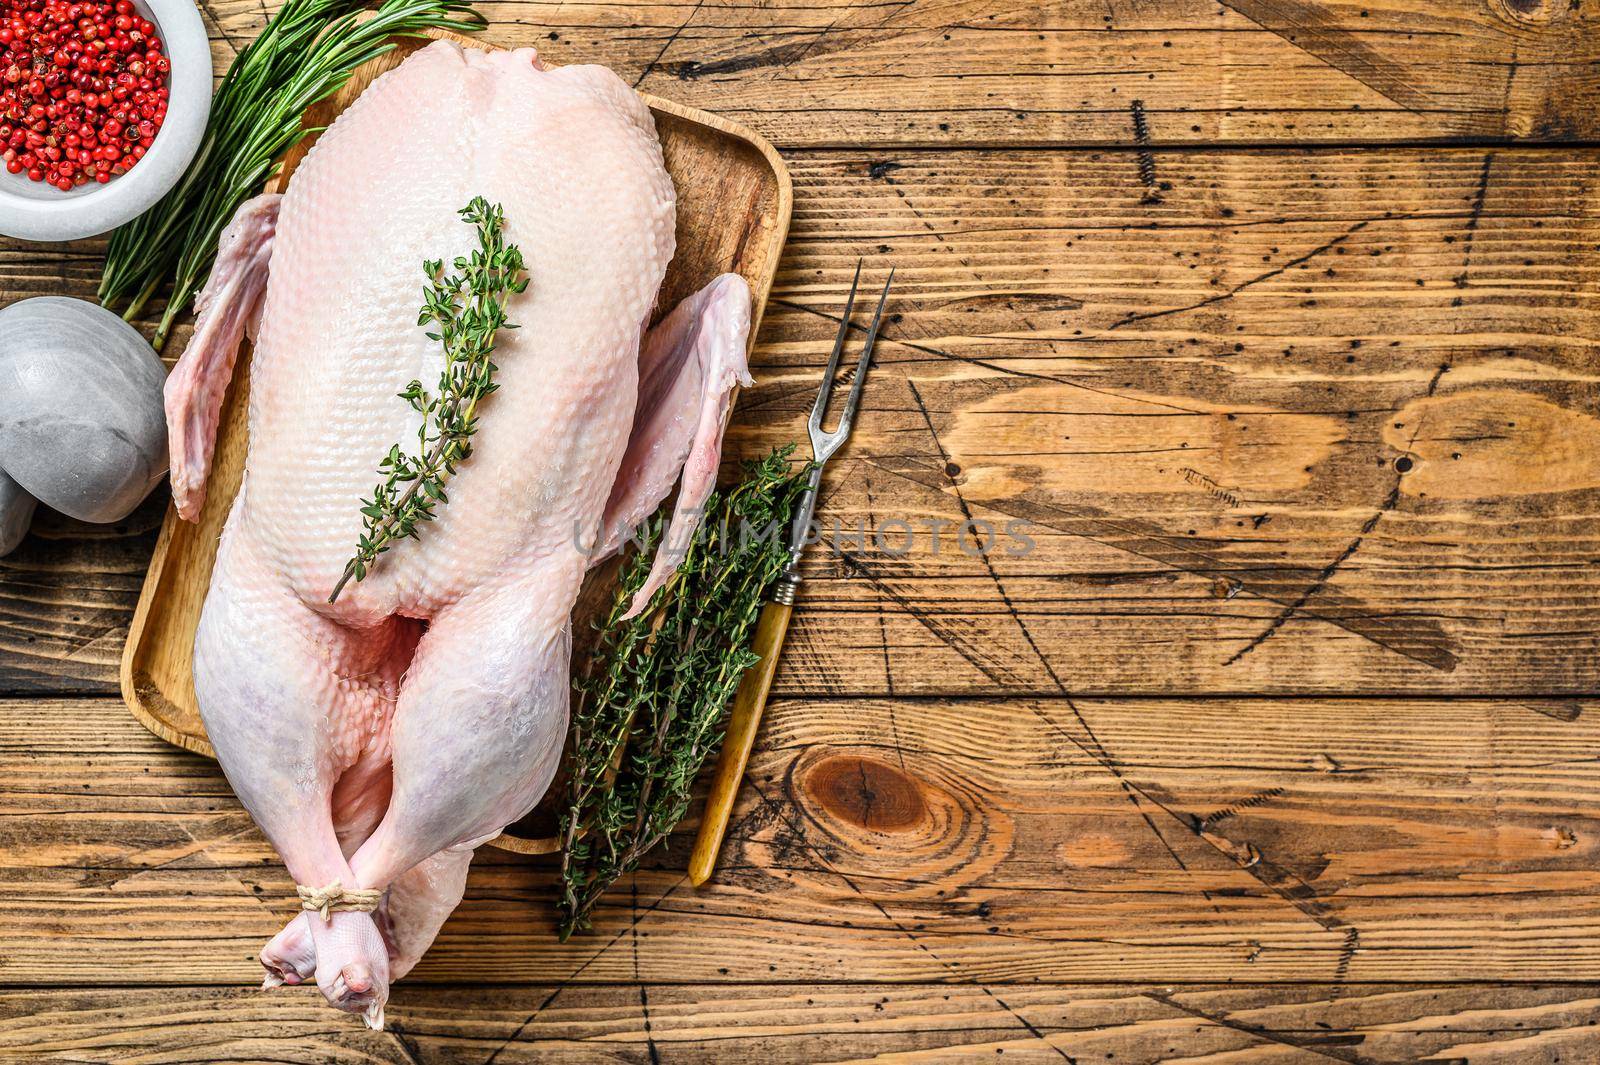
(733, 215)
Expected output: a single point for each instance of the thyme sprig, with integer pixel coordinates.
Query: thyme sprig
(306, 53)
(651, 705)
(469, 307)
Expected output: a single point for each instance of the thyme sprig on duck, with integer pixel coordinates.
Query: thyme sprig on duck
(305, 54)
(650, 707)
(469, 308)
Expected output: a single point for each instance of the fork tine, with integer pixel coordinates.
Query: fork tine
(847, 416)
(820, 407)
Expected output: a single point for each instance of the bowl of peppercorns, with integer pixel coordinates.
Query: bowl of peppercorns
(103, 104)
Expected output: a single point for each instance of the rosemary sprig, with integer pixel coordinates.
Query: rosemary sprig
(469, 307)
(651, 705)
(305, 54)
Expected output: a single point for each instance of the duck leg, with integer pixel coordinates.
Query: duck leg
(291, 701)
(479, 725)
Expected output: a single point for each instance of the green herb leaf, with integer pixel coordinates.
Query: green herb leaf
(650, 709)
(471, 307)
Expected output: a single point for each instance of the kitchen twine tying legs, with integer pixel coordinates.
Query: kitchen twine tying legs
(335, 898)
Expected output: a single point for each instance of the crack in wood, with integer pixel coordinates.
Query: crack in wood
(1460, 280)
(1103, 757)
(1298, 260)
(1350, 549)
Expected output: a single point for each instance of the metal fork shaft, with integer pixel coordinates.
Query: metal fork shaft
(751, 699)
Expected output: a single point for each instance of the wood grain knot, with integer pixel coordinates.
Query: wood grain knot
(1532, 12)
(867, 793)
(902, 817)
(1486, 443)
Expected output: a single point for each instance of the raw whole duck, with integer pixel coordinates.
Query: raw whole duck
(378, 740)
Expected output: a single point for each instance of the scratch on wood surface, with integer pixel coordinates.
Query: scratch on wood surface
(1559, 710)
(637, 916)
(408, 1046)
(649, 1037)
(1473, 218)
(671, 39)
(116, 630)
(544, 1004)
(644, 995)
(1505, 95)
(883, 623)
(1282, 882)
(1260, 798)
(1267, 275)
(1211, 487)
(195, 846)
(1568, 711)
(1347, 953)
(803, 645)
(1317, 586)
(990, 664)
(1247, 856)
(888, 336)
(818, 42)
(233, 45)
(1417, 638)
(1099, 754)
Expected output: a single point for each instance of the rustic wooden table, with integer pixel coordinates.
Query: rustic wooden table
(1275, 321)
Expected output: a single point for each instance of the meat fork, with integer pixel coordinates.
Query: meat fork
(773, 625)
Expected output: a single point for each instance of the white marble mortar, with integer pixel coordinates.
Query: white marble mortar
(34, 211)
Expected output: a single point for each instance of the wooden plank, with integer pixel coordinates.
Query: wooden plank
(1365, 1024)
(909, 841)
(66, 596)
(1201, 405)
(952, 72)
(1315, 421)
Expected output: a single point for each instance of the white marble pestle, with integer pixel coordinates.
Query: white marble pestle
(81, 423)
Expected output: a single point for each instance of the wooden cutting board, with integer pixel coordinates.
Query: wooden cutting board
(733, 215)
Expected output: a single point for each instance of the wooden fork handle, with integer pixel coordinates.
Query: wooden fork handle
(748, 703)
